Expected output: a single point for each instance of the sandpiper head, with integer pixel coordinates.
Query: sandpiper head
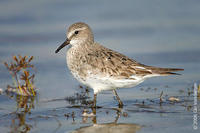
(77, 34)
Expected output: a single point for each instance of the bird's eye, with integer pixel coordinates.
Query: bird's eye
(76, 32)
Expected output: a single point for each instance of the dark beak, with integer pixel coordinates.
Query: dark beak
(67, 41)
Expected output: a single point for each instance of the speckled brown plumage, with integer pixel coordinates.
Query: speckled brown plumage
(104, 61)
(101, 68)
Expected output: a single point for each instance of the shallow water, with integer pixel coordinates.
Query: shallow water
(158, 33)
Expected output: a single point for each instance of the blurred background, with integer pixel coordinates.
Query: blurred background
(158, 33)
(152, 32)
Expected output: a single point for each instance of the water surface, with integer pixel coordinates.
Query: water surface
(158, 33)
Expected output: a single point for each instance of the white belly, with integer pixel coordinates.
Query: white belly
(97, 81)
(99, 84)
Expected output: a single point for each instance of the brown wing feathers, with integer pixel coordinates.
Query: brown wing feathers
(124, 67)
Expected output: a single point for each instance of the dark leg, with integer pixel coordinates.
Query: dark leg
(94, 119)
(118, 115)
(95, 100)
(94, 104)
(120, 104)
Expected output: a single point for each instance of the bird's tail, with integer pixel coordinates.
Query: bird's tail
(166, 71)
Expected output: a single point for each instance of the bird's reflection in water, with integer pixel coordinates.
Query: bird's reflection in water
(112, 127)
(84, 100)
(24, 106)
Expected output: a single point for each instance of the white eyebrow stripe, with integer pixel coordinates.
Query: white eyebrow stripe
(72, 32)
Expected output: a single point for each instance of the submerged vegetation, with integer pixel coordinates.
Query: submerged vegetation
(24, 106)
(23, 81)
(22, 88)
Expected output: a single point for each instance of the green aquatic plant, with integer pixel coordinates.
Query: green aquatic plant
(20, 69)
